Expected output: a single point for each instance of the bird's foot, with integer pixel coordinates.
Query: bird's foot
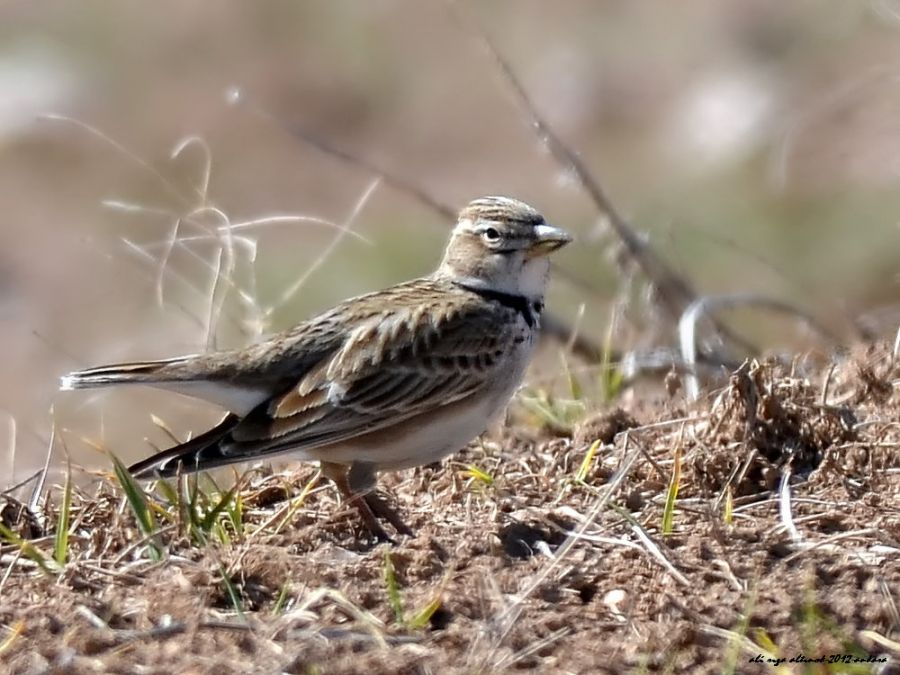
(379, 506)
(357, 484)
(371, 508)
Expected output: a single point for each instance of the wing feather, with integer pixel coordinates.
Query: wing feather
(392, 367)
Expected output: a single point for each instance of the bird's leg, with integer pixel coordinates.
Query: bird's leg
(361, 478)
(339, 475)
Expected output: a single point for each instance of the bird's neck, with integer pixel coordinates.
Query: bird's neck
(529, 281)
(529, 308)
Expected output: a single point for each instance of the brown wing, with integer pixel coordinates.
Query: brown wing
(391, 367)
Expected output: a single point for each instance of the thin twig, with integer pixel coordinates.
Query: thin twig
(303, 134)
(552, 325)
(38, 490)
(674, 291)
(784, 505)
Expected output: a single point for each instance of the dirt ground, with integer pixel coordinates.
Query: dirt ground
(784, 547)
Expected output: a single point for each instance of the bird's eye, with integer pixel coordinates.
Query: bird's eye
(490, 234)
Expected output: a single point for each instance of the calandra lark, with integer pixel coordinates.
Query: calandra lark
(389, 380)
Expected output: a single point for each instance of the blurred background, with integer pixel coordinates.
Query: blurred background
(756, 143)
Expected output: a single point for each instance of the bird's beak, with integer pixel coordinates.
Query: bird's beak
(548, 239)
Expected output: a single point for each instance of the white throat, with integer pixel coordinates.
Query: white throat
(532, 281)
(530, 284)
(526, 277)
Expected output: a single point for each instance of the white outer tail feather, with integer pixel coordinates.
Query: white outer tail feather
(101, 377)
(74, 381)
(68, 382)
(238, 399)
(138, 372)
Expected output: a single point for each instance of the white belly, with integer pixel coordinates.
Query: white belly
(431, 437)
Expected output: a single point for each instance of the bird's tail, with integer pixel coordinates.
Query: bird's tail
(198, 454)
(143, 372)
(197, 376)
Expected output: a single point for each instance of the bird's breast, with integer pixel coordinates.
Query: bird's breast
(432, 435)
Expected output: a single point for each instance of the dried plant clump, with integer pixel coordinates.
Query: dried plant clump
(767, 420)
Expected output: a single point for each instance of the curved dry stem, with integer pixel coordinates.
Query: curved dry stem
(339, 237)
(184, 144)
(121, 149)
(286, 219)
(226, 250)
(707, 305)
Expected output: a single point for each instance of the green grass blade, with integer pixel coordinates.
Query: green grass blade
(585, 467)
(28, 550)
(422, 618)
(728, 514)
(169, 493)
(555, 415)
(61, 540)
(298, 501)
(236, 515)
(764, 640)
(575, 389)
(191, 498)
(611, 376)
(192, 483)
(175, 510)
(393, 589)
(232, 592)
(15, 631)
(733, 650)
(477, 474)
(137, 500)
(281, 601)
(671, 495)
(223, 503)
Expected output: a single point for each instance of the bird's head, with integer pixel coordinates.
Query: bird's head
(502, 244)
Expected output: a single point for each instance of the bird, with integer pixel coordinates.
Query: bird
(389, 380)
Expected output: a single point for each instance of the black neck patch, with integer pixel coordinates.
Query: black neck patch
(527, 308)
